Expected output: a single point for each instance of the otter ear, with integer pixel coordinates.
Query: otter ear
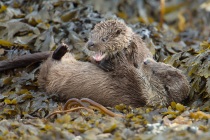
(118, 31)
(133, 53)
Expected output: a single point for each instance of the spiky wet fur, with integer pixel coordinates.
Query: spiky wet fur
(114, 38)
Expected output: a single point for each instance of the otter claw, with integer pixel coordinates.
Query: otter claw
(60, 52)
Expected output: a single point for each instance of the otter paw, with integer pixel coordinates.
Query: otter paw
(60, 52)
(106, 66)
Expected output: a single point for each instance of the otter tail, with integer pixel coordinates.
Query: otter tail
(23, 61)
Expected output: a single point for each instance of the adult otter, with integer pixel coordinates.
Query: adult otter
(112, 38)
(153, 84)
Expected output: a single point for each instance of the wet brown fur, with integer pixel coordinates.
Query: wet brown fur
(70, 78)
(155, 84)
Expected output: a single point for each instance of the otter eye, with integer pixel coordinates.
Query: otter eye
(118, 32)
(104, 39)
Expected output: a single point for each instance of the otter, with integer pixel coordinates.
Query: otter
(166, 83)
(112, 38)
(152, 84)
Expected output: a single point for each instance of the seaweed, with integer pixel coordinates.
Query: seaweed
(177, 32)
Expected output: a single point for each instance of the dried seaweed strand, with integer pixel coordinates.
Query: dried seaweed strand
(100, 107)
(72, 102)
(66, 111)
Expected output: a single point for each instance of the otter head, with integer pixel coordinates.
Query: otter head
(169, 81)
(107, 38)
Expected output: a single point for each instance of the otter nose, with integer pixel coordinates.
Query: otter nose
(90, 45)
(146, 62)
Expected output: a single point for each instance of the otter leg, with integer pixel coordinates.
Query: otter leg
(60, 52)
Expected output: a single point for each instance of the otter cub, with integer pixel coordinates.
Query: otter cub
(112, 38)
(166, 83)
(152, 84)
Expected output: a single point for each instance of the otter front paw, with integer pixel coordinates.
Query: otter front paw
(60, 52)
(106, 66)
